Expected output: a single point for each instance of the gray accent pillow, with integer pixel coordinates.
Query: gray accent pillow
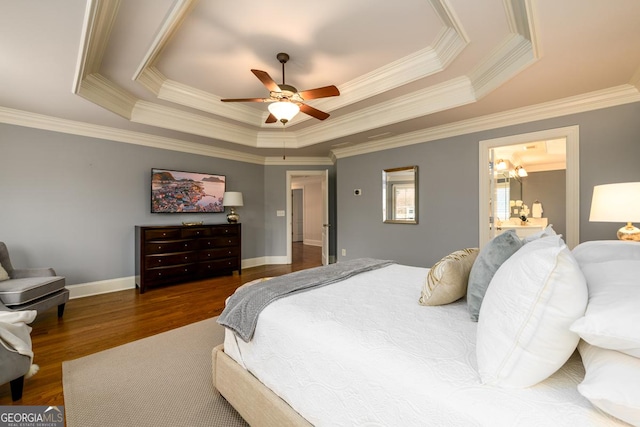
(490, 258)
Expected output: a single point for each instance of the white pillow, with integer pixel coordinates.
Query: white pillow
(611, 382)
(523, 330)
(545, 232)
(606, 250)
(612, 319)
(447, 280)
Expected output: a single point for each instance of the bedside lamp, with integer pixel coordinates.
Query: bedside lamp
(618, 203)
(233, 199)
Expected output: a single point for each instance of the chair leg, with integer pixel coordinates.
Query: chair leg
(16, 388)
(60, 310)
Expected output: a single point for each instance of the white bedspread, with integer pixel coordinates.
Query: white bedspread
(365, 353)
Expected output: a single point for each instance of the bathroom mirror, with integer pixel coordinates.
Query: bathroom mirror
(400, 195)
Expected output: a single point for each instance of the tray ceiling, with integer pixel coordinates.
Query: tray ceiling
(158, 68)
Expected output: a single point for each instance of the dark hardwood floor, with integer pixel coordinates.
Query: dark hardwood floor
(100, 322)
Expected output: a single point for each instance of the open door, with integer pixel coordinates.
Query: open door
(323, 176)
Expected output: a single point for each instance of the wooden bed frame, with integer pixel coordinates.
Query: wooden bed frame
(255, 402)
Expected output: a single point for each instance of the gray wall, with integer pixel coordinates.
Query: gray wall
(72, 202)
(448, 187)
(549, 188)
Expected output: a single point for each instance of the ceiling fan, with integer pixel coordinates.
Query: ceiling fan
(285, 100)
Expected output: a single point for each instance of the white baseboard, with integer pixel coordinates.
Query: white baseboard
(82, 290)
(265, 260)
(312, 242)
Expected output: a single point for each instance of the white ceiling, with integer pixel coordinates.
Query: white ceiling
(153, 71)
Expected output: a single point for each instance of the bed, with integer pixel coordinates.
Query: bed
(363, 352)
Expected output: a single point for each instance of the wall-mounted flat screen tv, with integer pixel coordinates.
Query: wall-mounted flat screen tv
(186, 192)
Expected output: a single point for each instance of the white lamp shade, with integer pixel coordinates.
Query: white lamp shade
(616, 202)
(284, 110)
(232, 198)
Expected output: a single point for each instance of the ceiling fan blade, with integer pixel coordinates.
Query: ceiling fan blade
(321, 92)
(313, 112)
(271, 119)
(246, 100)
(266, 80)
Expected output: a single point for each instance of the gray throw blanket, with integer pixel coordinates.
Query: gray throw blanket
(244, 306)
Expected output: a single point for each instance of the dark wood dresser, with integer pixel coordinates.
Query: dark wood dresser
(178, 254)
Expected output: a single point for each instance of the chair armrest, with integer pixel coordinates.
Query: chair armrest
(22, 273)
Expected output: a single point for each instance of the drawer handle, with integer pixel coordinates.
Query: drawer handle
(186, 257)
(159, 247)
(209, 255)
(186, 269)
(229, 252)
(159, 260)
(209, 243)
(159, 274)
(185, 245)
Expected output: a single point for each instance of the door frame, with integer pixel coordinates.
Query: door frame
(324, 173)
(572, 137)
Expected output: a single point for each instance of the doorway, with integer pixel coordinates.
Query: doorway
(309, 191)
(572, 186)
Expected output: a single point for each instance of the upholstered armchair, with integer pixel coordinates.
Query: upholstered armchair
(15, 349)
(30, 288)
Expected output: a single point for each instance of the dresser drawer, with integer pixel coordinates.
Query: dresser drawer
(169, 273)
(225, 230)
(160, 246)
(162, 234)
(163, 260)
(196, 232)
(210, 267)
(211, 254)
(218, 242)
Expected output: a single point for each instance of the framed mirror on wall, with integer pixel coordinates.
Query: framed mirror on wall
(400, 195)
(492, 205)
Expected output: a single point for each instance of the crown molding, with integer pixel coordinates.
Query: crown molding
(161, 116)
(40, 121)
(103, 92)
(513, 55)
(298, 161)
(99, 18)
(450, 94)
(611, 97)
(171, 24)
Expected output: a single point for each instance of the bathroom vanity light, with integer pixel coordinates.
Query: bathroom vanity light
(618, 203)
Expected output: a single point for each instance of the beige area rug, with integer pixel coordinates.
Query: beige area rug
(163, 380)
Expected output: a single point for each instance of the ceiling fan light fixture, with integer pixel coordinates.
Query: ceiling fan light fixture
(284, 111)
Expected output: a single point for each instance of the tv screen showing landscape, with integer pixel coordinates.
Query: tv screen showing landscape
(186, 192)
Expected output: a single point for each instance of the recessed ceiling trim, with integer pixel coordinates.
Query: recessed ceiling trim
(277, 139)
(171, 24)
(423, 63)
(98, 23)
(508, 59)
(149, 113)
(611, 97)
(103, 92)
(204, 101)
(455, 92)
